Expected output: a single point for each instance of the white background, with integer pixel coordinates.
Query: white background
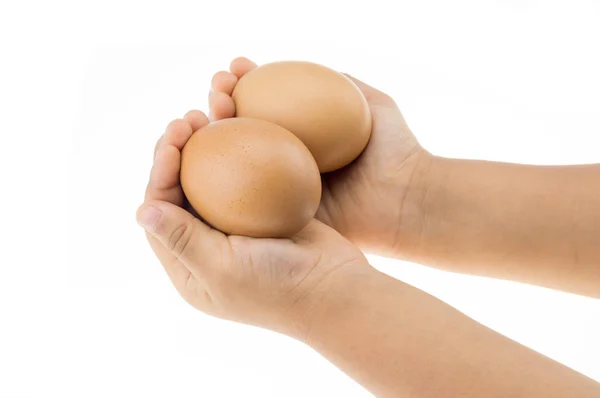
(87, 87)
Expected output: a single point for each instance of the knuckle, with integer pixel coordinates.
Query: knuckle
(179, 240)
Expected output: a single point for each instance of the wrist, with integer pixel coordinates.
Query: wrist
(426, 207)
(415, 188)
(341, 306)
(326, 298)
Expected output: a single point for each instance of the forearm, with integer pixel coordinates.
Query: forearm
(398, 341)
(534, 224)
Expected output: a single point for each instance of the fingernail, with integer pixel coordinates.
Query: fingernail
(147, 217)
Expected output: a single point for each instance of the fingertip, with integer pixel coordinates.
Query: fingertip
(174, 126)
(364, 87)
(221, 106)
(224, 82)
(240, 66)
(178, 123)
(196, 119)
(177, 134)
(147, 215)
(372, 95)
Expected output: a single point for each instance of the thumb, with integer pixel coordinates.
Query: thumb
(373, 96)
(183, 235)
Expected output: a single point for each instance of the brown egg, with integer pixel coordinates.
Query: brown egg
(324, 108)
(250, 177)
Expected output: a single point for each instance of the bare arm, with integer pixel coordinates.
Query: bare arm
(398, 341)
(533, 224)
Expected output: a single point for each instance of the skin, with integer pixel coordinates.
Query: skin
(532, 224)
(263, 282)
(396, 340)
(383, 171)
(538, 225)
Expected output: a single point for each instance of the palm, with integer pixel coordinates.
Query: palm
(268, 270)
(352, 197)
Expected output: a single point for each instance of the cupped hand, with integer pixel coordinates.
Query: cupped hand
(375, 201)
(279, 284)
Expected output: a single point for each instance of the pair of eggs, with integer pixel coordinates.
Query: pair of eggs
(259, 174)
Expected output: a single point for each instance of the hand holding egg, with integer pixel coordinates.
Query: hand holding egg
(258, 175)
(273, 283)
(374, 200)
(278, 284)
(320, 106)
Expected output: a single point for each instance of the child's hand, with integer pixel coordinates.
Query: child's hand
(376, 201)
(279, 284)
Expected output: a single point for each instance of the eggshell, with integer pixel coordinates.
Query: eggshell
(323, 107)
(250, 177)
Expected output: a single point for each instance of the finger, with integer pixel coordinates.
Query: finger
(177, 272)
(185, 237)
(240, 66)
(158, 143)
(177, 133)
(196, 119)
(221, 106)
(372, 95)
(223, 82)
(164, 177)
